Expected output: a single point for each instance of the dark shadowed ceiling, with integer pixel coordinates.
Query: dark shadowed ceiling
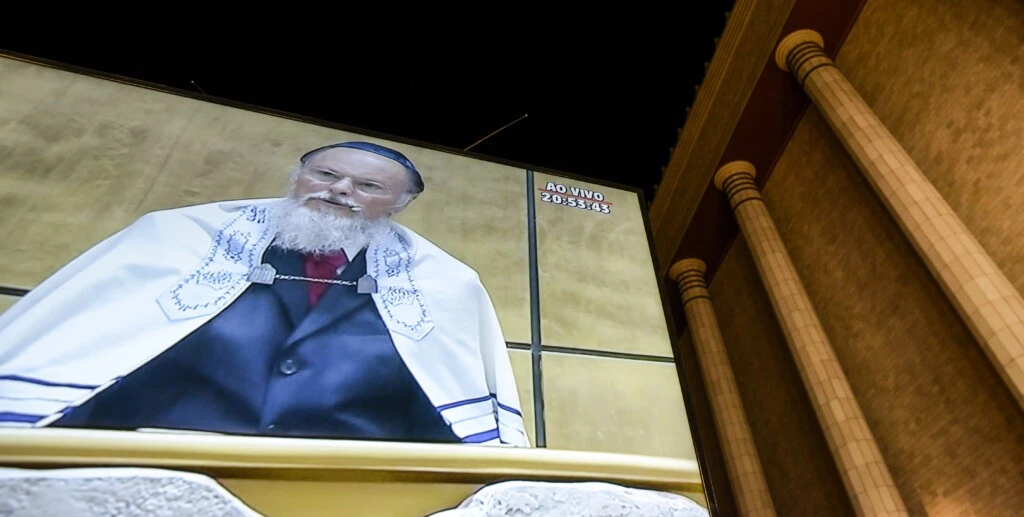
(604, 95)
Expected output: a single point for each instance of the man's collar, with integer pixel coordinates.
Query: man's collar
(351, 252)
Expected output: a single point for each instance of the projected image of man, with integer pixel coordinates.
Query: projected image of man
(312, 315)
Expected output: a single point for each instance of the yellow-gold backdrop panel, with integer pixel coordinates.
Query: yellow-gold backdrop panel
(82, 157)
(6, 301)
(614, 405)
(598, 289)
(522, 368)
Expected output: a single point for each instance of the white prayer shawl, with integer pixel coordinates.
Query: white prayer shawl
(140, 291)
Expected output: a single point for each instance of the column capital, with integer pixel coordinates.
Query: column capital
(732, 169)
(790, 42)
(688, 274)
(686, 266)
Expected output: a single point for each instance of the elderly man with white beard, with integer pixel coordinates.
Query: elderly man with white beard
(312, 315)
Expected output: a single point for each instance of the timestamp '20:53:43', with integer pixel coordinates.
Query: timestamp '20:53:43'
(573, 202)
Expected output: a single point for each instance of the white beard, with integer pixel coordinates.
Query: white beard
(308, 230)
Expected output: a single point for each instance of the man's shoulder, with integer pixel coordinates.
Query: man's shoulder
(211, 209)
(432, 255)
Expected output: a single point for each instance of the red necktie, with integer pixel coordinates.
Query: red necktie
(324, 267)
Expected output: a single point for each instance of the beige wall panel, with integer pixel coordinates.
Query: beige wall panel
(598, 289)
(803, 479)
(6, 302)
(614, 405)
(930, 395)
(946, 78)
(522, 369)
(82, 157)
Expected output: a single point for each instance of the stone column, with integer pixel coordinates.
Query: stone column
(860, 463)
(982, 294)
(741, 461)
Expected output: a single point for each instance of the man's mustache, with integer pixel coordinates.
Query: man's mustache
(334, 200)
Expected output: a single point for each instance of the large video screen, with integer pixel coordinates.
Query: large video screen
(173, 263)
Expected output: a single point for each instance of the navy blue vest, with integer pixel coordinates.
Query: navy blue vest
(268, 365)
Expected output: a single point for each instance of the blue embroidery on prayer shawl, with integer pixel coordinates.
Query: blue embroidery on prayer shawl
(221, 274)
(215, 279)
(392, 260)
(234, 246)
(398, 296)
(405, 311)
(237, 248)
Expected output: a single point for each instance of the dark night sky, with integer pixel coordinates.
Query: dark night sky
(605, 95)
